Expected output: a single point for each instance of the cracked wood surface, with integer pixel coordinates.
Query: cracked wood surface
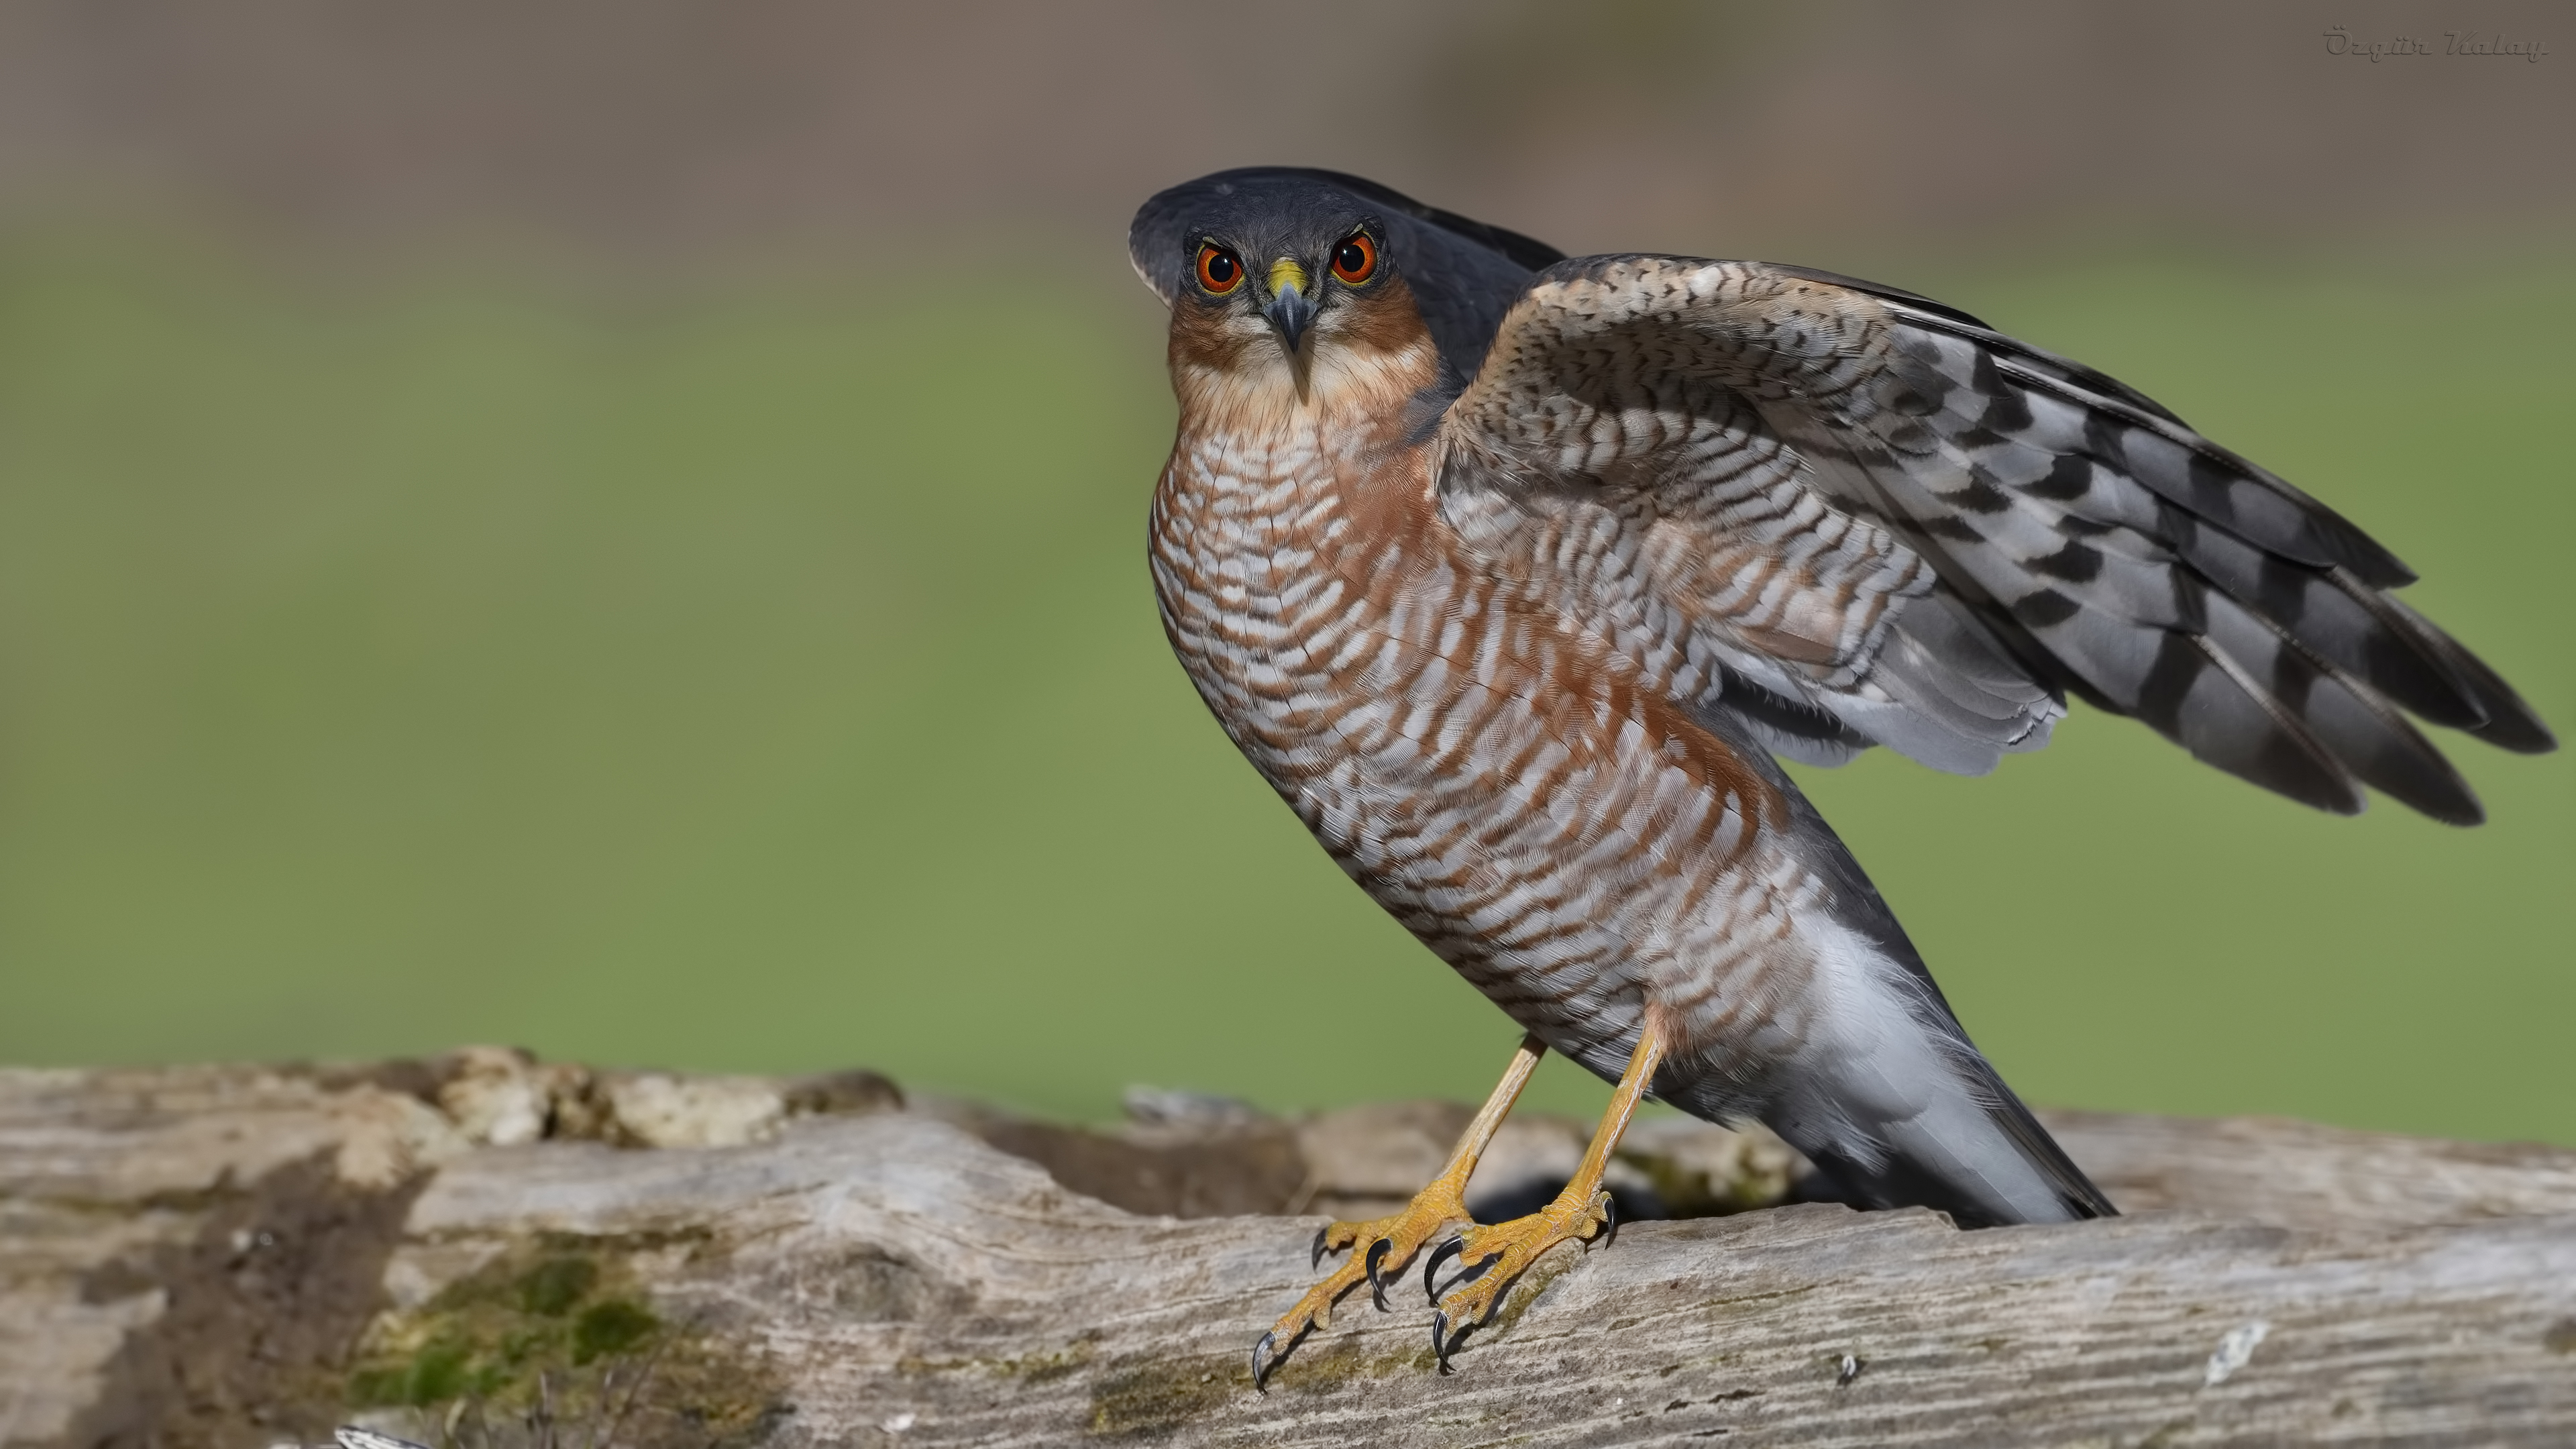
(890, 1278)
(1025, 1315)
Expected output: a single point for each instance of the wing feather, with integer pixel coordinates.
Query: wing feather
(1849, 503)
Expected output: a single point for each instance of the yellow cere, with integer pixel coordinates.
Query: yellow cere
(1284, 274)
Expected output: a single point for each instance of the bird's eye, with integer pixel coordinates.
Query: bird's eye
(1355, 258)
(1219, 272)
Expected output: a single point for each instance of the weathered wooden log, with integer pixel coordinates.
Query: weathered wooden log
(484, 1251)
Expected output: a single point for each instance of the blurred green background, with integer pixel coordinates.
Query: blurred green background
(459, 608)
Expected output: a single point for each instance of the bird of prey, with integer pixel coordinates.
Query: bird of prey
(1516, 575)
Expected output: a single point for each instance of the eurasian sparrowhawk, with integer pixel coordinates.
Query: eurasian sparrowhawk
(1512, 573)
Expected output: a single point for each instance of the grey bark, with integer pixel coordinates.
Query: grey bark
(543, 1255)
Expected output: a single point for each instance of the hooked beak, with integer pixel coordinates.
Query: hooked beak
(1290, 310)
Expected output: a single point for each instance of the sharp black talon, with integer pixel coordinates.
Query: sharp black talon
(1261, 1367)
(1377, 1286)
(1440, 1255)
(1609, 1221)
(1443, 1342)
(1317, 1261)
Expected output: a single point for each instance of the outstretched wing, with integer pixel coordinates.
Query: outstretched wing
(1851, 516)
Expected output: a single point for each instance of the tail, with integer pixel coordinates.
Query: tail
(2001, 1170)
(1897, 1108)
(1889, 1098)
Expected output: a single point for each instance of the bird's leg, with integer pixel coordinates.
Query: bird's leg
(1381, 1247)
(1506, 1250)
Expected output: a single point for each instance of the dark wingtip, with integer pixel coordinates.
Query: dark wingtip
(2425, 781)
(2410, 771)
(2291, 763)
(2512, 725)
(2509, 723)
(2465, 811)
(2523, 736)
(2371, 561)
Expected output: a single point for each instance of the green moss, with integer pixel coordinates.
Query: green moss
(1518, 1298)
(1155, 1397)
(1035, 1368)
(566, 1320)
(612, 1327)
(440, 1371)
(555, 1285)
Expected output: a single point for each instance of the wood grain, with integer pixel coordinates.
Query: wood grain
(890, 1278)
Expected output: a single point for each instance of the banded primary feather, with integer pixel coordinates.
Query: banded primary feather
(1962, 528)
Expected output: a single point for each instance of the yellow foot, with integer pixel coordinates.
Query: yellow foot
(1493, 1258)
(1380, 1249)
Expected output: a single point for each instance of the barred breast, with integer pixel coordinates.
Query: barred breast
(1517, 789)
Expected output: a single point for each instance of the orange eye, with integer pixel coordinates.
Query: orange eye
(1219, 272)
(1355, 258)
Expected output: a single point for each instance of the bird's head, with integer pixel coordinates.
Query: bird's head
(1280, 278)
